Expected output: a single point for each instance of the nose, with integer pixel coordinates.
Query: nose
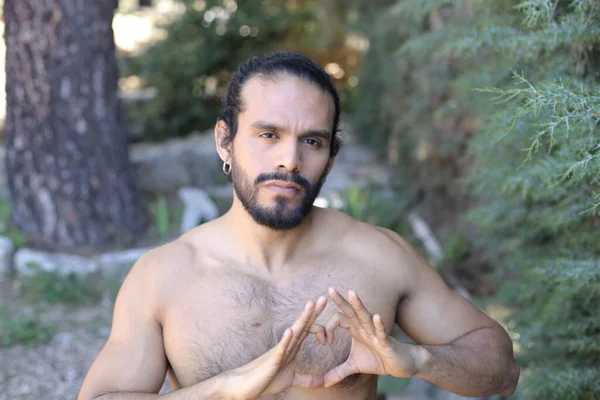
(289, 158)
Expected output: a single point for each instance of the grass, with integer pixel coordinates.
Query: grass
(25, 327)
(52, 288)
(166, 216)
(26, 318)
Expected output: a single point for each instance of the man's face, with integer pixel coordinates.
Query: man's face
(280, 154)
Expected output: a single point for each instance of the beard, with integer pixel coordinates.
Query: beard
(281, 215)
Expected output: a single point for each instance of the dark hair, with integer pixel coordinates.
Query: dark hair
(268, 66)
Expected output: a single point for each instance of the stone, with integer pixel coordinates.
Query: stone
(118, 263)
(7, 248)
(59, 263)
(321, 202)
(224, 192)
(166, 167)
(197, 207)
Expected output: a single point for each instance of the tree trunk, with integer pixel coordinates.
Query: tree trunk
(70, 179)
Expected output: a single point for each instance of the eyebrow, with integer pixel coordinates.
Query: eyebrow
(321, 133)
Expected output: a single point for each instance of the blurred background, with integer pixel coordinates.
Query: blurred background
(471, 129)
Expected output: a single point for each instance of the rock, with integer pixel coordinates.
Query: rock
(7, 248)
(60, 263)
(197, 206)
(119, 262)
(224, 192)
(166, 167)
(321, 202)
(63, 338)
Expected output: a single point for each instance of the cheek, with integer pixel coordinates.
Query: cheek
(315, 167)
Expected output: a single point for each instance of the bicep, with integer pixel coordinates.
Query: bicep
(432, 313)
(133, 359)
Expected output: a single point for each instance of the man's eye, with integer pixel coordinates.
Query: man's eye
(312, 142)
(268, 135)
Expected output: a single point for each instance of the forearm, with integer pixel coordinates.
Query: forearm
(213, 389)
(480, 363)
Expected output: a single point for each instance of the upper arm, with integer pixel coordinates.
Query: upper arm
(133, 359)
(429, 312)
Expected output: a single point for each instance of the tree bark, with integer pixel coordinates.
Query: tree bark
(70, 179)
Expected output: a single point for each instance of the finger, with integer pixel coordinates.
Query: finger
(340, 372)
(319, 307)
(364, 316)
(337, 320)
(319, 332)
(283, 345)
(300, 325)
(346, 307)
(308, 381)
(379, 327)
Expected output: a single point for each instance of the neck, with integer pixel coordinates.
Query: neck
(261, 246)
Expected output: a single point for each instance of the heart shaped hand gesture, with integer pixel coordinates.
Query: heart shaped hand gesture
(373, 351)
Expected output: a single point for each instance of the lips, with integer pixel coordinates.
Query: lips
(283, 187)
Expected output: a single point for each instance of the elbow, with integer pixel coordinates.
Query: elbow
(511, 379)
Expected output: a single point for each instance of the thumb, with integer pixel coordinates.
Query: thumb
(337, 320)
(340, 372)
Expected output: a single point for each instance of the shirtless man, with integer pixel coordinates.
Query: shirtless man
(279, 299)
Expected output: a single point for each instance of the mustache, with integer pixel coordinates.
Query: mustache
(282, 176)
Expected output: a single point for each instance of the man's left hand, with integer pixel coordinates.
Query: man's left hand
(373, 351)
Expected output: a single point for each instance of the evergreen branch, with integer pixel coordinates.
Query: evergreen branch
(519, 45)
(594, 206)
(583, 6)
(536, 10)
(581, 164)
(564, 382)
(564, 269)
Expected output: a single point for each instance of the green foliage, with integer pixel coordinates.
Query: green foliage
(6, 229)
(456, 247)
(53, 288)
(25, 328)
(166, 216)
(503, 96)
(191, 67)
(161, 216)
(372, 206)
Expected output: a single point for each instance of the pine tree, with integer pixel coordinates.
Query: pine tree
(508, 90)
(71, 183)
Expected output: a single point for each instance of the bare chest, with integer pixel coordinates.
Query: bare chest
(231, 319)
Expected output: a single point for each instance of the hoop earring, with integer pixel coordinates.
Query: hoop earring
(226, 168)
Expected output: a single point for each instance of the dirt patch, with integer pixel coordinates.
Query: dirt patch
(56, 369)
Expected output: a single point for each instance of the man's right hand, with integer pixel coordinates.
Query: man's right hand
(275, 371)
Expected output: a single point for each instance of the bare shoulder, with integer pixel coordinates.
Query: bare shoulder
(157, 272)
(180, 255)
(379, 245)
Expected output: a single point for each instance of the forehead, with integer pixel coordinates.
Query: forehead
(287, 101)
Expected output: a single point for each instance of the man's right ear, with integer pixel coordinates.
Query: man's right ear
(221, 134)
